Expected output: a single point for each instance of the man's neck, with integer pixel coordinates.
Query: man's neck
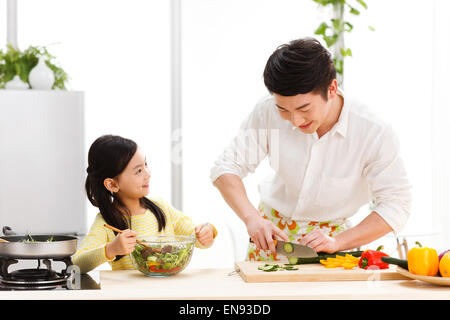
(333, 116)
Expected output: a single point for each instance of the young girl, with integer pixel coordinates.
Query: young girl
(118, 183)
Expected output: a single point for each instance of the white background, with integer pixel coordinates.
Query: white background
(118, 53)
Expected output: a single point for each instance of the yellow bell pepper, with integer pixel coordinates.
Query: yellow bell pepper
(149, 263)
(349, 265)
(347, 261)
(423, 261)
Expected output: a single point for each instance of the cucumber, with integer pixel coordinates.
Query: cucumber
(399, 262)
(288, 247)
(293, 260)
(341, 253)
(322, 256)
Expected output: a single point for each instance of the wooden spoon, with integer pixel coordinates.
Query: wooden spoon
(3, 240)
(138, 241)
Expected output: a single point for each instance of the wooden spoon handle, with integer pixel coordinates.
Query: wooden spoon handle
(120, 231)
(113, 228)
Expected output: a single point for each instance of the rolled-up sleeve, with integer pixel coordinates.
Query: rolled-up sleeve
(388, 181)
(247, 149)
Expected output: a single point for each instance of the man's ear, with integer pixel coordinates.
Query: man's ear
(111, 185)
(332, 89)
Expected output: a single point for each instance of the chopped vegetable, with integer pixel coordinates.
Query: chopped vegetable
(323, 256)
(30, 239)
(288, 247)
(163, 259)
(269, 267)
(348, 261)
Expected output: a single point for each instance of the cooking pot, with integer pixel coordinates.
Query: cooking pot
(36, 246)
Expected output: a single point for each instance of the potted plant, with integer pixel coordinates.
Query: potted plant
(15, 62)
(333, 30)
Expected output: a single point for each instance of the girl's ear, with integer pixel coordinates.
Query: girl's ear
(111, 185)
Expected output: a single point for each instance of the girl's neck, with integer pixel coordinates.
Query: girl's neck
(134, 207)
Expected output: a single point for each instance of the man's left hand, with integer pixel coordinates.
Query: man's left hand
(320, 242)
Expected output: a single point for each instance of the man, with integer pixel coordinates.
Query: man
(330, 156)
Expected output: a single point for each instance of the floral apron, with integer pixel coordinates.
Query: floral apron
(295, 230)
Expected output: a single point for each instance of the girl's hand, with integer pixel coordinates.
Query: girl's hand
(123, 244)
(320, 242)
(205, 234)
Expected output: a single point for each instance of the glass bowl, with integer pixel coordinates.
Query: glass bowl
(162, 256)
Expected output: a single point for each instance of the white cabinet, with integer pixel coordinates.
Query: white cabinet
(42, 161)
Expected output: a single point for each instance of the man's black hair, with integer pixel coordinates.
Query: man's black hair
(298, 67)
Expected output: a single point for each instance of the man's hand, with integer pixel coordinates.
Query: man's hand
(320, 242)
(263, 232)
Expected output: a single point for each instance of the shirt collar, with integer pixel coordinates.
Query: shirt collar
(342, 123)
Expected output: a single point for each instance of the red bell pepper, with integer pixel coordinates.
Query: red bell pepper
(373, 258)
(153, 269)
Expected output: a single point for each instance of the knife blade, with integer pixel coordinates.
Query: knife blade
(298, 250)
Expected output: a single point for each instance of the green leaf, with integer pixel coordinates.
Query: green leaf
(371, 28)
(346, 52)
(349, 25)
(330, 40)
(339, 65)
(338, 25)
(321, 29)
(354, 11)
(324, 2)
(361, 2)
(13, 62)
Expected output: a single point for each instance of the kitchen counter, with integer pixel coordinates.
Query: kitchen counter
(211, 284)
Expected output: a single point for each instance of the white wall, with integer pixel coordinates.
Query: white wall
(117, 52)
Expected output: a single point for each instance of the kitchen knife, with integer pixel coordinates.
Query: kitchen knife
(298, 250)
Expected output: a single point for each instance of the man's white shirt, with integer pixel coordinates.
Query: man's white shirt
(322, 179)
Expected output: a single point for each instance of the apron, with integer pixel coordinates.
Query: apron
(295, 230)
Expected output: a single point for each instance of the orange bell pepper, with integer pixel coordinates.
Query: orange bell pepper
(423, 261)
(444, 265)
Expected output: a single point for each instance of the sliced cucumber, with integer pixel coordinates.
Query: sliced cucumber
(288, 247)
(293, 260)
(290, 268)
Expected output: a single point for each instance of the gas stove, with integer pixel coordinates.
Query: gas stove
(45, 274)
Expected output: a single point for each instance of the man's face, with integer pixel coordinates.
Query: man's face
(305, 111)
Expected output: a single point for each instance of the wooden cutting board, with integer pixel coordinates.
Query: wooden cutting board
(249, 272)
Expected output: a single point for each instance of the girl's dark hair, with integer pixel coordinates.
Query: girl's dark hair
(108, 156)
(299, 67)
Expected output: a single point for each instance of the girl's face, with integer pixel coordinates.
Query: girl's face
(133, 182)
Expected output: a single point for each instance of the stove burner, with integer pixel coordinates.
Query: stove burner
(37, 278)
(32, 275)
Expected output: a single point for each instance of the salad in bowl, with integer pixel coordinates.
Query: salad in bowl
(162, 256)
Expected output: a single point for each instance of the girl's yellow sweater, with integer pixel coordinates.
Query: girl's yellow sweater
(91, 252)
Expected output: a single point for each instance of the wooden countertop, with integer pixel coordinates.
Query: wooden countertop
(215, 284)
